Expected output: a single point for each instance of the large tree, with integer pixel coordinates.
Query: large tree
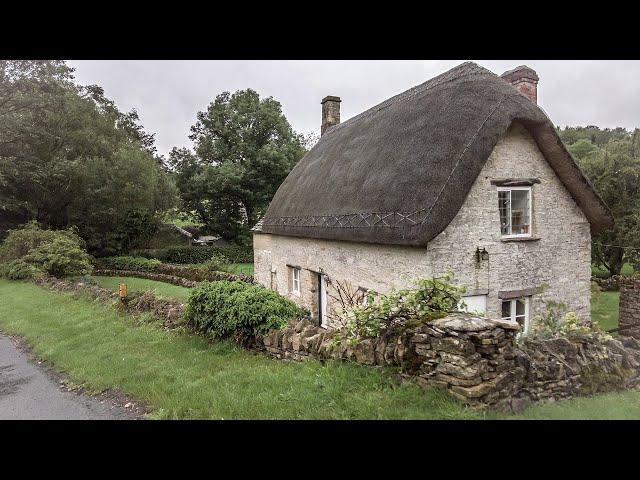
(68, 156)
(611, 160)
(244, 149)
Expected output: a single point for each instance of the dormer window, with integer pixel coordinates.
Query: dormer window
(514, 204)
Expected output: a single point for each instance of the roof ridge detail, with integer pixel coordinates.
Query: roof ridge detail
(463, 70)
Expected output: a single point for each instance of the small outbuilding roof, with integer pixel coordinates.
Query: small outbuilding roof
(399, 172)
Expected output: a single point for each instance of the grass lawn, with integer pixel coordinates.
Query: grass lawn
(161, 289)
(604, 309)
(611, 406)
(183, 376)
(245, 268)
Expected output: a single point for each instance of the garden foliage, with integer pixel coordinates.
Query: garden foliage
(201, 254)
(227, 308)
(429, 299)
(31, 250)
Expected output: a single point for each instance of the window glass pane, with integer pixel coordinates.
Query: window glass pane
(520, 212)
(520, 307)
(503, 206)
(506, 309)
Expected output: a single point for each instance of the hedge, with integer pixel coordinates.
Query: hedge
(141, 264)
(225, 308)
(138, 264)
(200, 254)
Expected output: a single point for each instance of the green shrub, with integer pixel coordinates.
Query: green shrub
(18, 270)
(224, 308)
(137, 264)
(30, 250)
(201, 254)
(556, 321)
(22, 240)
(62, 257)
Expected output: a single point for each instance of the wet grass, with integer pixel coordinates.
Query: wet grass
(184, 376)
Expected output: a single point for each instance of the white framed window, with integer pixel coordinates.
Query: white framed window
(514, 204)
(517, 309)
(295, 280)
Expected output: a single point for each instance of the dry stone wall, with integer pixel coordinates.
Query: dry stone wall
(629, 320)
(476, 359)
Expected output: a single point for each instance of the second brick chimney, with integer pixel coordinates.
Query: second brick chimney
(525, 80)
(330, 113)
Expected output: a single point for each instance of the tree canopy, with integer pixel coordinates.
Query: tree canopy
(68, 156)
(244, 148)
(610, 158)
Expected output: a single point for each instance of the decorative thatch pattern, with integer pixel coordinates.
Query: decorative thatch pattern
(399, 172)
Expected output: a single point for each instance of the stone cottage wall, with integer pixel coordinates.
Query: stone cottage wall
(558, 257)
(629, 320)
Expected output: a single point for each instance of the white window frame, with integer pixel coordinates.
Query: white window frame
(295, 280)
(530, 193)
(527, 317)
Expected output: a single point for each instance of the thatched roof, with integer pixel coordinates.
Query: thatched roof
(399, 172)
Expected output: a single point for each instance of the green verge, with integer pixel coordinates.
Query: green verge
(160, 289)
(605, 309)
(184, 376)
(610, 406)
(243, 268)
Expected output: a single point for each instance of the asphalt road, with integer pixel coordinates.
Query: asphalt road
(29, 392)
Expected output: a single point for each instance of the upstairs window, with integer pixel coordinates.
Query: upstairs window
(514, 204)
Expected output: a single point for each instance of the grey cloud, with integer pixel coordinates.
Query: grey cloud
(167, 94)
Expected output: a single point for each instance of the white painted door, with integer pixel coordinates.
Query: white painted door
(323, 300)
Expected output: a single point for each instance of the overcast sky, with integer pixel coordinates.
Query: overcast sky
(167, 94)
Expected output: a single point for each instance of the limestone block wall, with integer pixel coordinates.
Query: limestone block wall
(476, 359)
(629, 320)
(555, 263)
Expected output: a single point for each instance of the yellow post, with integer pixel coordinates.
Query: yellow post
(122, 291)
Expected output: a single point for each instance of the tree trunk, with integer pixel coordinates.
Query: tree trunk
(615, 261)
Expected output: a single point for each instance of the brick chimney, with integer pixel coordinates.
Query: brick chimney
(330, 113)
(525, 80)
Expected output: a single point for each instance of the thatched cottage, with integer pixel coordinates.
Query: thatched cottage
(464, 173)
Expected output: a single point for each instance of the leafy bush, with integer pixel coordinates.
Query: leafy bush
(137, 264)
(31, 250)
(18, 270)
(62, 257)
(224, 308)
(430, 299)
(216, 263)
(21, 241)
(557, 322)
(201, 254)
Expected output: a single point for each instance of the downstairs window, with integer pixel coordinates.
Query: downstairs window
(517, 309)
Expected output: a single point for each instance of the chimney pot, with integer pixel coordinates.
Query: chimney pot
(330, 113)
(525, 80)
